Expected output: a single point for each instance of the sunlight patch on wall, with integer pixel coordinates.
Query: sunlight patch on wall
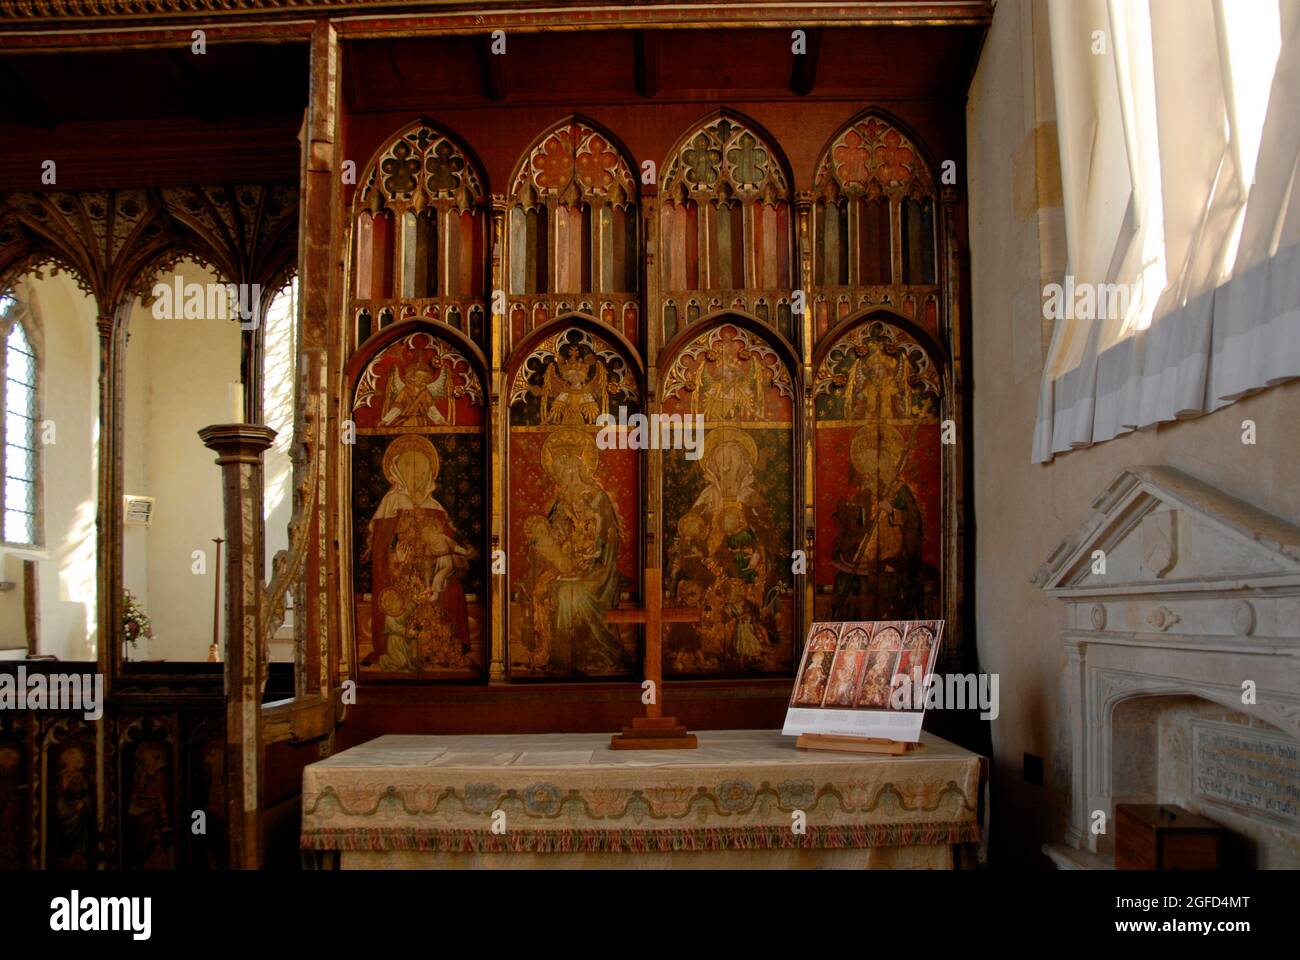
(77, 577)
(279, 355)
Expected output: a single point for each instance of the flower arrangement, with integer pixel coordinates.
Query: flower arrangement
(135, 622)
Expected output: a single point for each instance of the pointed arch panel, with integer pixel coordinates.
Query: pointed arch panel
(878, 492)
(726, 222)
(421, 235)
(574, 515)
(419, 509)
(876, 224)
(728, 510)
(572, 227)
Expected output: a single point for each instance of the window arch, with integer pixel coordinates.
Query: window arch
(729, 511)
(421, 235)
(726, 223)
(875, 221)
(21, 518)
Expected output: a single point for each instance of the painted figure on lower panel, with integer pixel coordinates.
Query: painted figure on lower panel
(418, 495)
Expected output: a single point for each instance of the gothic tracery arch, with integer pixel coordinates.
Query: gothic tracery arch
(876, 223)
(726, 225)
(421, 234)
(572, 226)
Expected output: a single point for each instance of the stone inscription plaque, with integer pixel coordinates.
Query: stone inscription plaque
(1254, 770)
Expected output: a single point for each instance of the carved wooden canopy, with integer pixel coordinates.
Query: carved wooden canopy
(115, 242)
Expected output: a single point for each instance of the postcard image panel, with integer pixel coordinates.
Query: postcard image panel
(864, 679)
(815, 668)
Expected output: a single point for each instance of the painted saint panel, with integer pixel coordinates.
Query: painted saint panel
(15, 795)
(818, 658)
(728, 515)
(882, 658)
(69, 780)
(848, 667)
(878, 479)
(418, 490)
(574, 512)
(147, 792)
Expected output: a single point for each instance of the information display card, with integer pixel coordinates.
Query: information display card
(864, 679)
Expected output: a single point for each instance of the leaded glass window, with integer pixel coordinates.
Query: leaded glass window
(20, 434)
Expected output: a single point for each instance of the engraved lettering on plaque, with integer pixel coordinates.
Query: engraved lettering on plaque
(1253, 770)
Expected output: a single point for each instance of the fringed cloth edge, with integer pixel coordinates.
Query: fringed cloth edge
(643, 841)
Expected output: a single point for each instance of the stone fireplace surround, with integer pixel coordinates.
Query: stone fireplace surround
(1199, 594)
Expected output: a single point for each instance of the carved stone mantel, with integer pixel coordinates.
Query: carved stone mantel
(1172, 588)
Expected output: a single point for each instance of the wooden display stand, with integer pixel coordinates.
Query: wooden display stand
(654, 731)
(824, 741)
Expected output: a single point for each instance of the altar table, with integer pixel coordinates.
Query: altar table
(567, 800)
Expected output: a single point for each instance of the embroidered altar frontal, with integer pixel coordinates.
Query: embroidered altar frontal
(568, 800)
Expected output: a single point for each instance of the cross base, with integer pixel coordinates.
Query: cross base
(654, 733)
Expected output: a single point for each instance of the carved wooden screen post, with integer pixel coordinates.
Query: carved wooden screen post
(239, 448)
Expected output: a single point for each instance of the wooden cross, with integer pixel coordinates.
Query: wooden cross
(654, 731)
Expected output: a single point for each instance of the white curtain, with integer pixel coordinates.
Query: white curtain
(1179, 130)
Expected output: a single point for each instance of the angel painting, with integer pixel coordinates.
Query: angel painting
(734, 389)
(574, 389)
(876, 385)
(413, 395)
